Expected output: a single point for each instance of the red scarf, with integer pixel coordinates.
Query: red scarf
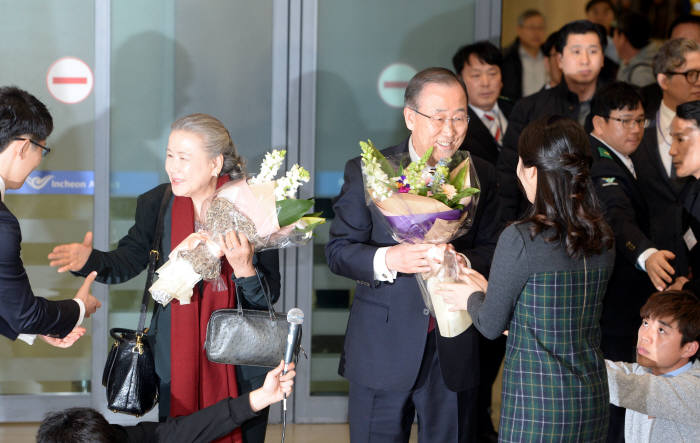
(195, 381)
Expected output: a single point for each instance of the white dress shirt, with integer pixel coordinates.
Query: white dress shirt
(500, 120)
(29, 338)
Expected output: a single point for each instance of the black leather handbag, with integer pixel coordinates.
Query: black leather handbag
(248, 337)
(130, 373)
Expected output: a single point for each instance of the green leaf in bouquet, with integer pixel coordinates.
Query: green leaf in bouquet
(383, 162)
(466, 192)
(290, 210)
(459, 176)
(310, 222)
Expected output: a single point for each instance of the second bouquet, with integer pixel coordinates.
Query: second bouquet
(263, 208)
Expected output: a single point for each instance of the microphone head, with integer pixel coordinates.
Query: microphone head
(295, 316)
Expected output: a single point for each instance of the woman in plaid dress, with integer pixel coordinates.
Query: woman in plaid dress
(548, 278)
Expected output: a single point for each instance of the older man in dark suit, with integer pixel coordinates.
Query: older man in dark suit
(25, 123)
(391, 348)
(479, 66)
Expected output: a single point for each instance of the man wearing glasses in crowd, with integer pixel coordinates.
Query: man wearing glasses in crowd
(676, 67)
(25, 123)
(618, 127)
(390, 354)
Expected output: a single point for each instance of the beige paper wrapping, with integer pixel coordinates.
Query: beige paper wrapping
(451, 324)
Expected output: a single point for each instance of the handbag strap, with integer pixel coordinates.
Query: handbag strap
(153, 256)
(265, 288)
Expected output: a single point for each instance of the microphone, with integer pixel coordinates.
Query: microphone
(295, 317)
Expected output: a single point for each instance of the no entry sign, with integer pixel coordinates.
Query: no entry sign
(69, 80)
(392, 83)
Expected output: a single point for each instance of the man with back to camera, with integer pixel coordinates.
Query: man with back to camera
(632, 37)
(390, 354)
(25, 124)
(479, 66)
(618, 127)
(580, 46)
(523, 70)
(661, 391)
(677, 68)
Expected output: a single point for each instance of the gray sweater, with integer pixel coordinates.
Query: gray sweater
(672, 402)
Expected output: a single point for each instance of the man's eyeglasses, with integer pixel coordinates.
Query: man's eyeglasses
(690, 76)
(45, 148)
(459, 121)
(630, 123)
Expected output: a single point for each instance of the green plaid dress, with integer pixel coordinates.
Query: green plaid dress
(554, 382)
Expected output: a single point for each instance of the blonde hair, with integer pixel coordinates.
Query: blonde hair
(217, 140)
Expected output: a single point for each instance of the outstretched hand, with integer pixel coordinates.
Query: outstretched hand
(71, 256)
(91, 302)
(275, 388)
(67, 341)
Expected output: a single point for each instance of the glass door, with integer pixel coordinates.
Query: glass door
(49, 51)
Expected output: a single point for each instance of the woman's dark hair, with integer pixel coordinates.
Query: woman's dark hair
(689, 111)
(565, 200)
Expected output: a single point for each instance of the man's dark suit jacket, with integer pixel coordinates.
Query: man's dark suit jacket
(669, 221)
(387, 329)
(20, 310)
(203, 426)
(512, 72)
(627, 213)
(479, 140)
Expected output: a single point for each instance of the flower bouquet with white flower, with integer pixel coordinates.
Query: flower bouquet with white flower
(263, 208)
(424, 204)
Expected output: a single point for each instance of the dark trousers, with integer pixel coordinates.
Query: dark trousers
(491, 354)
(377, 415)
(618, 348)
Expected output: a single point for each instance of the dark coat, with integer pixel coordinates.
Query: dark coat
(387, 329)
(512, 72)
(669, 221)
(203, 426)
(479, 140)
(20, 311)
(627, 213)
(555, 101)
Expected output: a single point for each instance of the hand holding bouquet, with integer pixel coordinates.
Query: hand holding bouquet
(424, 204)
(263, 208)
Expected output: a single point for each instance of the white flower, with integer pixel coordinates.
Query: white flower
(286, 187)
(269, 167)
(378, 182)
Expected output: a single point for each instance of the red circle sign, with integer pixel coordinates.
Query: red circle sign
(69, 80)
